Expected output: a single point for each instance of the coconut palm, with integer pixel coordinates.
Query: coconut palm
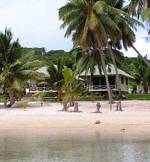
(135, 7)
(15, 71)
(140, 8)
(91, 25)
(56, 76)
(72, 88)
(128, 37)
(124, 24)
(86, 62)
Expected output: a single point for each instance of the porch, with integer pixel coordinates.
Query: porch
(35, 89)
(103, 88)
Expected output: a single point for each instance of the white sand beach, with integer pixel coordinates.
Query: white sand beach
(132, 123)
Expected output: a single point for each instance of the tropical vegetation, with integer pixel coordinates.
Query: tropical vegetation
(141, 73)
(99, 29)
(98, 24)
(72, 88)
(15, 71)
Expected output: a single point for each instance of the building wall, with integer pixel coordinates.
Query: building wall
(141, 90)
(97, 80)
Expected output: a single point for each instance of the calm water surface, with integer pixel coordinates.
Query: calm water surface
(26, 148)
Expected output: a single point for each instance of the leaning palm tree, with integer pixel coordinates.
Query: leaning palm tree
(91, 25)
(136, 6)
(15, 71)
(140, 8)
(128, 37)
(127, 25)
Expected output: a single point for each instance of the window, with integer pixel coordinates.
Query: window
(126, 81)
(122, 80)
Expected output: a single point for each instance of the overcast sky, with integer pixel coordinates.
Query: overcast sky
(36, 24)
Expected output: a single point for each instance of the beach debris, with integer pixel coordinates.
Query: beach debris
(123, 130)
(98, 122)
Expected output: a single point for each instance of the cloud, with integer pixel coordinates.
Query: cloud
(36, 24)
(142, 44)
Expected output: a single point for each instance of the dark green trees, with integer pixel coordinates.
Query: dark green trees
(141, 73)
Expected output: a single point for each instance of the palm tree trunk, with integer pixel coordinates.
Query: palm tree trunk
(145, 87)
(87, 81)
(11, 98)
(5, 98)
(116, 70)
(59, 95)
(146, 62)
(106, 77)
(71, 101)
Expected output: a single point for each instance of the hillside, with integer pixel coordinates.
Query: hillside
(69, 58)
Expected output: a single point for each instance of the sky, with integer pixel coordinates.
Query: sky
(36, 24)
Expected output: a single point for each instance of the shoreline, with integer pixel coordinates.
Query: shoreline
(131, 124)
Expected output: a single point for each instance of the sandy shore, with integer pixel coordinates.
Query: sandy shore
(132, 123)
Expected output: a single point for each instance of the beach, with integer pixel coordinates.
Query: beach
(132, 123)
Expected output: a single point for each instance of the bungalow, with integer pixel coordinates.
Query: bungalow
(96, 82)
(42, 86)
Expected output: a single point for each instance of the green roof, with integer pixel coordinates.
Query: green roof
(43, 70)
(110, 71)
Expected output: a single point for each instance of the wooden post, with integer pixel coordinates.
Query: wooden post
(118, 106)
(98, 106)
(76, 107)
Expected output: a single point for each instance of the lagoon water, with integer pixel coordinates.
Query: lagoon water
(28, 148)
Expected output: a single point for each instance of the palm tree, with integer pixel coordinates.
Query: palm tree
(14, 72)
(140, 8)
(86, 62)
(141, 73)
(128, 37)
(136, 6)
(126, 26)
(56, 76)
(72, 88)
(91, 25)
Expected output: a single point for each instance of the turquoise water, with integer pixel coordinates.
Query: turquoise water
(25, 148)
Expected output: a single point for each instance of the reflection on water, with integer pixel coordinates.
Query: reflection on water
(44, 149)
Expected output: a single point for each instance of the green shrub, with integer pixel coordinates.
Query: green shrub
(92, 97)
(24, 105)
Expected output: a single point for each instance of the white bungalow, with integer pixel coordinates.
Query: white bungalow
(97, 83)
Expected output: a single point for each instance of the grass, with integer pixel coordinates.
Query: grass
(127, 97)
(90, 97)
(1, 98)
(138, 96)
